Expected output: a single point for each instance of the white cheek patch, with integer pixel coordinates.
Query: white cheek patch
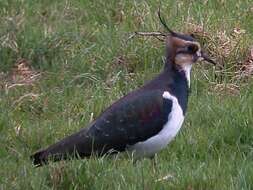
(186, 66)
(186, 60)
(187, 70)
(182, 59)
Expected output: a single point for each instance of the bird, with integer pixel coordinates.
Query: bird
(146, 120)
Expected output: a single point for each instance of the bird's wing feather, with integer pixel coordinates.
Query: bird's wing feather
(130, 121)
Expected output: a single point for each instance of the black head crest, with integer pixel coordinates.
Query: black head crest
(164, 23)
(182, 41)
(172, 33)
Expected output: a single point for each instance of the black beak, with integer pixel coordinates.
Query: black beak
(206, 58)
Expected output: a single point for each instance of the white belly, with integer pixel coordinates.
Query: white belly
(156, 143)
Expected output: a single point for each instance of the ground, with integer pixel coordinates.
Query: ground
(63, 62)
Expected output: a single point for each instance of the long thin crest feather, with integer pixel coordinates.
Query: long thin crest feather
(164, 23)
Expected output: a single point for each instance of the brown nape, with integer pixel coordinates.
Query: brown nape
(177, 42)
(181, 43)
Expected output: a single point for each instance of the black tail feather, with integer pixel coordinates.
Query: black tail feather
(72, 146)
(39, 158)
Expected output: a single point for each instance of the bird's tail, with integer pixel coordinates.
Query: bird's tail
(72, 146)
(39, 158)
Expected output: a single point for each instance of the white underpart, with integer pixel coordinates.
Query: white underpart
(158, 142)
(187, 70)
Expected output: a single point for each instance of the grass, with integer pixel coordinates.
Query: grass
(85, 61)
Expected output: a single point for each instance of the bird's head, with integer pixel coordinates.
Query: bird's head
(183, 50)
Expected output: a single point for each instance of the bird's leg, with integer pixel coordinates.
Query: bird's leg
(133, 158)
(135, 161)
(154, 163)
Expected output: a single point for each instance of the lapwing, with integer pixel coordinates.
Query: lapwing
(146, 120)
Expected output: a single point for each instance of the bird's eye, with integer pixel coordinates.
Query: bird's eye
(192, 48)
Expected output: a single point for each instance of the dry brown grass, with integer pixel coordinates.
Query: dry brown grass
(22, 74)
(230, 51)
